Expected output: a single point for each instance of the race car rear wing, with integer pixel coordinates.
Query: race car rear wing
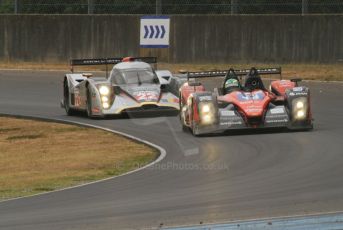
(109, 61)
(116, 60)
(238, 72)
(98, 61)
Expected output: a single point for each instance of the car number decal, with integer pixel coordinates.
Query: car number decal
(146, 96)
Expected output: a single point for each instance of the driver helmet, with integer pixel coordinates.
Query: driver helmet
(231, 84)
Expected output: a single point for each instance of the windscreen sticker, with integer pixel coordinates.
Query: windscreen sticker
(257, 96)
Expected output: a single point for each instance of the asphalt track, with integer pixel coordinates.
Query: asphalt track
(208, 179)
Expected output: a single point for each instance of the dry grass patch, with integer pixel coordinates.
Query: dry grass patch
(326, 72)
(40, 156)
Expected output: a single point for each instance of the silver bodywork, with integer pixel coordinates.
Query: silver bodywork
(83, 93)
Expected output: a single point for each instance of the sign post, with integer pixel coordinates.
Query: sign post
(154, 32)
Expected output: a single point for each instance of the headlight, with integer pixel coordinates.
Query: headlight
(299, 108)
(105, 105)
(300, 105)
(207, 113)
(104, 99)
(104, 90)
(207, 119)
(205, 109)
(300, 114)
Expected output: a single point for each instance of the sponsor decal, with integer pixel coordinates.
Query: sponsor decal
(173, 100)
(142, 88)
(301, 93)
(205, 98)
(231, 123)
(298, 89)
(227, 113)
(77, 100)
(257, 96)
(276, 116)
(277, 110)
(142, 96)
(245, 102)
(253, 110)
(231, 83)
(277, 121)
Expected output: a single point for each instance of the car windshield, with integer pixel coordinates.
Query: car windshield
(139, 76)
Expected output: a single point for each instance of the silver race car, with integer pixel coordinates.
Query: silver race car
(132, 86)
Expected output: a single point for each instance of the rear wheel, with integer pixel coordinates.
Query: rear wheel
(67, 108)
(180, 107)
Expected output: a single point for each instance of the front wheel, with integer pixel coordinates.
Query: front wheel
(67, 108)
(195, 129)
(180, 107)
(184, 127)
(89, 104)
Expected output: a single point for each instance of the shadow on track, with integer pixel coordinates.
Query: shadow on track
(247, 132)
(135, 115)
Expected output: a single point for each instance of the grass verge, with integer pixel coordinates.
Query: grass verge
(325, 72)
(40, 156)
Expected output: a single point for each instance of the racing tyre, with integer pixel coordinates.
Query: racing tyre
(89, 104)
(180, 107)
(67, 108)
(184, 127)
(195, 129)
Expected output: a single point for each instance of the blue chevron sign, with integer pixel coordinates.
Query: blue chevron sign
(154, 32)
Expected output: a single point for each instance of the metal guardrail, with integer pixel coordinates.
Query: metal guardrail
(171, 7)
(323, 222)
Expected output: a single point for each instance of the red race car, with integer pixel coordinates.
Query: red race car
(248, 106)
